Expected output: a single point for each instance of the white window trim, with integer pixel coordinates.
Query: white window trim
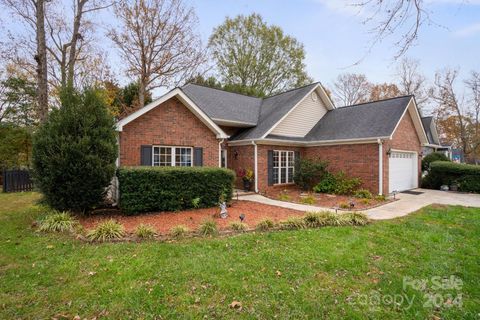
(173, 148)
(287, 166)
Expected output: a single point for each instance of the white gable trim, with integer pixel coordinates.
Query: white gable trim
(417, 121)
(186, 101)
(323, 95)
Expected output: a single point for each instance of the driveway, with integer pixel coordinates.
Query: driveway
(406, 204)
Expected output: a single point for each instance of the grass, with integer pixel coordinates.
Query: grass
(314, 273)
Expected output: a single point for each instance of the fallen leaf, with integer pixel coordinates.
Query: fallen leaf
(236, 305)
(278, 273)
(92, 273)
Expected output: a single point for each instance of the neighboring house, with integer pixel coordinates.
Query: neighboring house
(379, 142)
(433, 144)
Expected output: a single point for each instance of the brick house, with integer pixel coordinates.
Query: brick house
(379, 142)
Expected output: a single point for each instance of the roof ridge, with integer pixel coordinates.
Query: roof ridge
(293, 89)
(381, 100)
(208, 87)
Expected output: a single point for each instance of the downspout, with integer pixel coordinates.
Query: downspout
(380, 166)
(255, 166)
(115, 184)
(220, 153)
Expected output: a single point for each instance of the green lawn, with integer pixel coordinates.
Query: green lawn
(323, 273)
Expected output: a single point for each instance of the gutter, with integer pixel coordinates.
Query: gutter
(255, 164)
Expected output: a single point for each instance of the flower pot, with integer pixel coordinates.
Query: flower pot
(247, 185)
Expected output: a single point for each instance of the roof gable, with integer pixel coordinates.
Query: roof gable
(185, 100)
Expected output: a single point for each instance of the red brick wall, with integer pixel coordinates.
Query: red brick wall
(243, 160)
(168, 124)
(356, 160)
(404, 138)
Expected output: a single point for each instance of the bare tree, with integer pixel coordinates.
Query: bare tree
(351, 88)
(391, 16)
(411, 82)
(158, 42)
(457, 119)
(473, 85)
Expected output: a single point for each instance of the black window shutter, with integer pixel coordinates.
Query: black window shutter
(297, 160)
(198, 156)
(270, 167)
(146, 155)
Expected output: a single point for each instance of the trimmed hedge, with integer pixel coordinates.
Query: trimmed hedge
(432, 157)
(467, 176)
(144, 189)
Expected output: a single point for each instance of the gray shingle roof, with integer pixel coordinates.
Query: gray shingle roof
(368, 120)
(427, 125)
(273, 109)
(219, 104)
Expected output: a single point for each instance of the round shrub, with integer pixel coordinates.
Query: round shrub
(435, 156)
(74, 152)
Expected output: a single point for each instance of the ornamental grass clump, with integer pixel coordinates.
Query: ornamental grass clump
(265, 225)
(58, 222)
(293, 223)
(316, 219)
(208, 228)
(179, 231)
(105, 231)
(145, 231)
(238, 226)
(356, 219)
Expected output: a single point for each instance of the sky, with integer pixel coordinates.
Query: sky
(335, 37)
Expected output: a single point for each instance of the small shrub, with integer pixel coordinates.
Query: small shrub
(265, 225)
(429, 158)
(356, 219)
(381, 197)
(365, 201)
(238, 226)
(284, 196)
(208, 228)
(363, 194)
(316, 219)
(309, 172)
(293, 223)
(327, 184)
(344, 205)
(179, 231)
(145, 231)
(338, 184)
(196, 202)
(346, 185)
(308, 199)
(108, 230)
(58, 222)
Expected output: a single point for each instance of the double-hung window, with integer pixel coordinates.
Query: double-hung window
(172, 156)
(283, 166)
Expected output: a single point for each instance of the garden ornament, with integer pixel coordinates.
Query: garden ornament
(223, 210)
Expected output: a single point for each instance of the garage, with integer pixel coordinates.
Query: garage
(402, 171)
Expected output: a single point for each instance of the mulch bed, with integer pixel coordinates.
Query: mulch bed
(296, 195)
(164, 221)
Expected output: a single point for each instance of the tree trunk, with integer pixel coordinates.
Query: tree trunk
(141, 93)
(41, 58)
(73, 43)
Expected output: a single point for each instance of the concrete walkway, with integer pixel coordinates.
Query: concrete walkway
(406, 204)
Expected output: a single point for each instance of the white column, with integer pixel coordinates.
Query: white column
(255, 165)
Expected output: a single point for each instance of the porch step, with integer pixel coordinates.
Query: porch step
(240, 193)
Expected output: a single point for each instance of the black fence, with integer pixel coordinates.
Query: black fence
(17, 180)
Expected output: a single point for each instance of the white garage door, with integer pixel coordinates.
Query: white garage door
(402, 171)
